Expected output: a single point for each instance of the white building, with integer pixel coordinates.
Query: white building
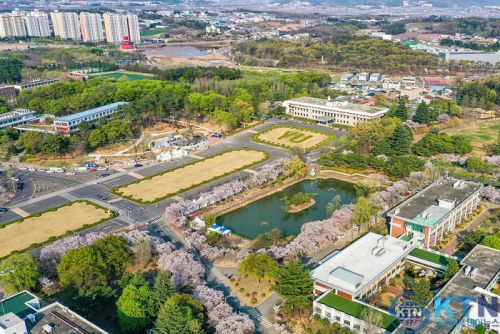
(91, 27)
(37, 24)
(16, 118)
(374, 77)
(337, 111)
(12, 26)
(117, 26)
(66, 25)
(363, 76)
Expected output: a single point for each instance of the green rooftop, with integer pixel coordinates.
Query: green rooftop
(17, 305)
(431, 257)
(405, 237)
(356, 309)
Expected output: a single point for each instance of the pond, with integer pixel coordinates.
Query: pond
(178, 51)
(267, 213)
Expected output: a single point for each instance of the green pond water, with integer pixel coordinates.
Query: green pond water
(267, 213)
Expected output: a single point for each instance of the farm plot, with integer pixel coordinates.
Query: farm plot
(39, 228)
(183, 178)
(293, 137)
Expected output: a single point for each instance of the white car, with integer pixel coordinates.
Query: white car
(31, 169)
(16, 179)
(49, 171)
(102, 168)
(23, 168)
(70, 173)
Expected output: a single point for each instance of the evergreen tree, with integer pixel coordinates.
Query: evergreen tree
(399, 110)
(180, 314)
(401, 140)
(451, 270)
(295, 285)
(162, 288)
(135, 308)
(423, 293)
(422, 115)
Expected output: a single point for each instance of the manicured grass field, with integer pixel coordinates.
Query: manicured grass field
(161, 186)
(129, 75)
(481, 132)
(36, 229)
(293, 137)
(356, 309)
(428, 256)
(148, 33)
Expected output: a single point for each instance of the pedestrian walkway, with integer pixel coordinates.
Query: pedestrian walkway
(257, 316)
(20, 212)
(136, 175)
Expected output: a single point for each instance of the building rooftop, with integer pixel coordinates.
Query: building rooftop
(356, 309)
(361, 262)
(62, 320)
(349, 106)
(90, 112)
(21, 304)
(430, 205)
(486, 262)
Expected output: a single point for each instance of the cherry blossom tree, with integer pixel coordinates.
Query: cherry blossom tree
(491, 193)
(236, 324)
(494, 160)
(185, 270)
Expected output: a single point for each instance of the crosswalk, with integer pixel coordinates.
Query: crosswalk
(257, 316)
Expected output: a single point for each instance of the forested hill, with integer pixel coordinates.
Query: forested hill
(347, 52)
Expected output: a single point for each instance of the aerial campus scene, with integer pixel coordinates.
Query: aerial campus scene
(278, 166)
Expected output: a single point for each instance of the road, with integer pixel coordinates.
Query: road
(43, 191)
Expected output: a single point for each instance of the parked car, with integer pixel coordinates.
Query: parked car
(70, 173)
(137, 165)
(15, 179)
(4, 209)
(105, 174)
(31, 169)
(102, 168)
(50, 171)
(93, 170)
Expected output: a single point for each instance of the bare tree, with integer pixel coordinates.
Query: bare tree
(373, 320)
(142, 251)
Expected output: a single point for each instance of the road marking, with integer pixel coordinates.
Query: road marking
(136, 175)
(266, 323)
(196, 156)
(251, 171)
(252, 131)
(115, 200)
(20, 212)
(121, 169)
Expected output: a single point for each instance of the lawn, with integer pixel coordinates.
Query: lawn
(293, 137)
(246, 288)
(481, 133)
(128, 75)
(149, 33)
(39, 228)
(356, 309)
(183, 178)
(428, 256)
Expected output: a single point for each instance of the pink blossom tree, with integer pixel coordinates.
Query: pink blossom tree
(184, 269)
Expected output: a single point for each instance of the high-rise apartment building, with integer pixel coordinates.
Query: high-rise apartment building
(12, 26)
(117, 26)
(66, 25)
(91, 26)
(37, 24)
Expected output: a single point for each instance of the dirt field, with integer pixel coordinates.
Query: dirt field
(21, 235)
(481, 133)
(172, 182)
(293, 137)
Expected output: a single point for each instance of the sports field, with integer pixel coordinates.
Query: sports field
(293, 137)
(481, 133)
(128, 75)
(38, 229)
(161, 186)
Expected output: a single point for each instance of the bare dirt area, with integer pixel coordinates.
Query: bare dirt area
(21, 235)
(172, 182)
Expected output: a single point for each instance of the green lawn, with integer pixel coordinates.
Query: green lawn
(119, 75)
(428, 256)
(481, 133)
(356, 309)
(153, 32)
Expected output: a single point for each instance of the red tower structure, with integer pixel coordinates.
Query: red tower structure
(127, 44)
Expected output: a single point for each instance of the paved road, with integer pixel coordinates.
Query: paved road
(59, 189)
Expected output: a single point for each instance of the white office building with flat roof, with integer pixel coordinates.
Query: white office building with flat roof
(336, 111)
